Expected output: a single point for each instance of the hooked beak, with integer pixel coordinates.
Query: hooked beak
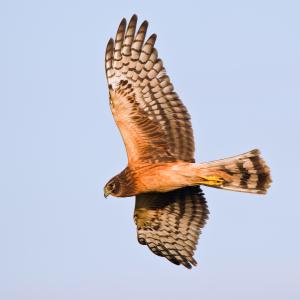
(106, 193)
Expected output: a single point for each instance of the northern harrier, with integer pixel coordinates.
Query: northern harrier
(170, 207)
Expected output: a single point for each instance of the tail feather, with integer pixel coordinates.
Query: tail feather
(247, 172)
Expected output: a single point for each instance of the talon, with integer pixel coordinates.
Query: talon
(212, 180)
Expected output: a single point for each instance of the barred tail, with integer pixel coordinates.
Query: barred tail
(242, 173)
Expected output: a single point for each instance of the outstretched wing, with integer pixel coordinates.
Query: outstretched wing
(170, 223)
(153, 122)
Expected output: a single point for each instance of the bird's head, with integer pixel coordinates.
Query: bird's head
(112, 187)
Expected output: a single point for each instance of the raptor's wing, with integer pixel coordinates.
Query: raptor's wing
(170, 223)
(153, 122)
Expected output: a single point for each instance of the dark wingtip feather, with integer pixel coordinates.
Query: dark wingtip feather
(133, 18)
(123, 22)
(187, 265)
(193, 262)
(122, 26)
(152, 37)
(110, 44)
(145, 25)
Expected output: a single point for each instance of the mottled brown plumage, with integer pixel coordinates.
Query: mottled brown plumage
(170, 223)
(143, 98)
(156, 129)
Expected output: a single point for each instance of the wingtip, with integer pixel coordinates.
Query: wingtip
(152, 38)
(109, 49)
(189, 263)
(193, 262)
(134, 18)
(110, 42)
(145, 25)
(123, 23)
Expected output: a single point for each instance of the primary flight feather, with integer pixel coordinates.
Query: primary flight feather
(156, 129)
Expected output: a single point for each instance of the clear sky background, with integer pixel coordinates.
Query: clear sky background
(235, 64)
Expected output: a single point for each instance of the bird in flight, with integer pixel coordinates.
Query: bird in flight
(170, 208)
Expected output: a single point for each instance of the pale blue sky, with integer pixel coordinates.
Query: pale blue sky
(235, 64)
